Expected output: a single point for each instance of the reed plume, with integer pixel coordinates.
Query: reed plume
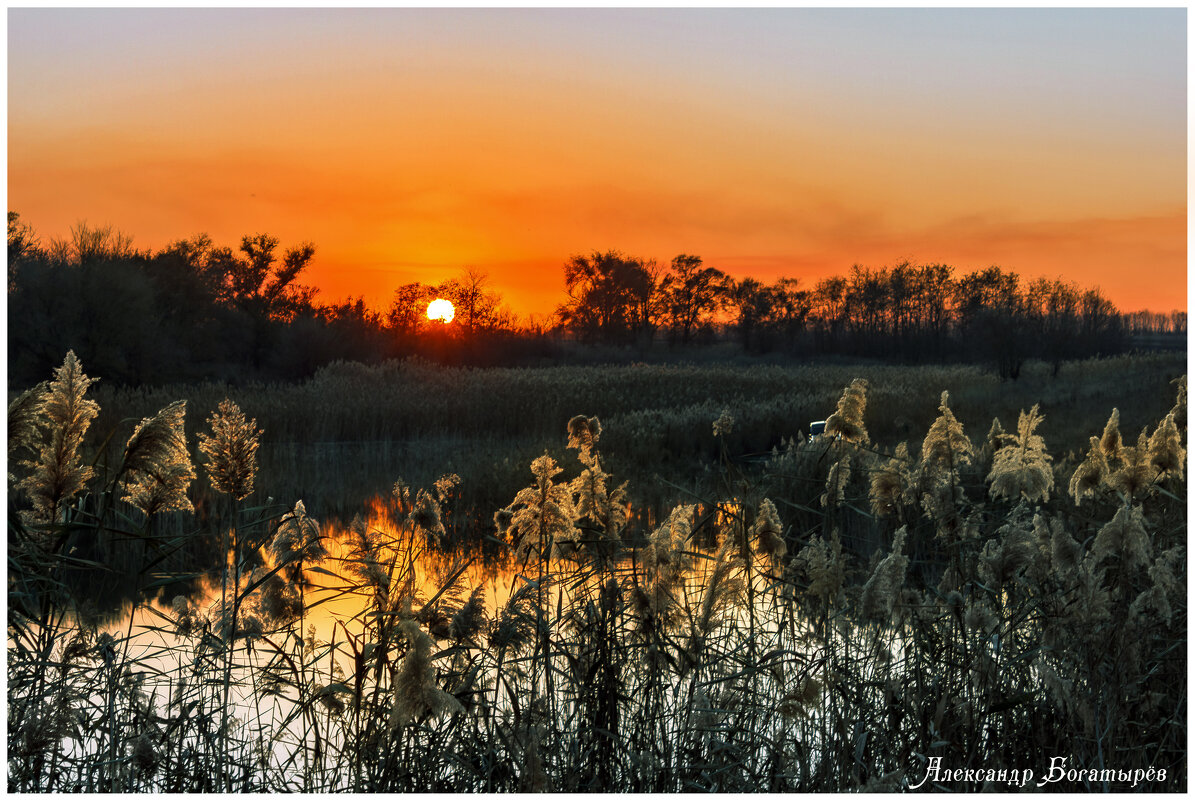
(803, 699)
(1124, 536)
(402, 495)
(517, 622)
(721, 590)
(1091, 473)
(24, 417)
(470, 619)
(363, 561)
(991, 443)
(881, 591)
(415, 691)
(890, 483)
(583, 433)
(944, 452)
(445, 485)
(979, 618)
(1065, 553)
(158, 463)
(1135, 474)
(297, 538)
(592, 499)
(1021, 468)
(1166, 454)
(1179, 410)
(426, 517)
(230, 451)
(1154, 603)
(847, 420)
(946, 447)
(64, 416)
(543, 514)
(824, 567)
(278, 600)
(1110, 441)
(767, 534)
(1004, 556)
(837, 479)
(664, 564)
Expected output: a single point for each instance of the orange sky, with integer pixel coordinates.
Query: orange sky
(407, 144)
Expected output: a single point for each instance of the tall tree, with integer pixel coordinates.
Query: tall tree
(261, 284)
(477, 308)
(610, 297)
(408, 311)
(992, 319)
(692, 294)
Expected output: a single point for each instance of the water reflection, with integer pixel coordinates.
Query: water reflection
(322, 641)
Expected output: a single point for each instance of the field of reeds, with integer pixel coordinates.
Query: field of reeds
(343, 437)
(919, 597)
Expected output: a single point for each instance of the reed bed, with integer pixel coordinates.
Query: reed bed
(339, 439)
(1003, 607)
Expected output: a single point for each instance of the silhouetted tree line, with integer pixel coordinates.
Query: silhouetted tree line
(194, 310)
(1144, 323)
(907, 312)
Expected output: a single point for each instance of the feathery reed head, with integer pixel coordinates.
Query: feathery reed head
(889, 484)
(187, 619)
(804, 697)
(65, 414)
(1166, 585)
(724, 424)
(1021, 468)
(993, 439)
(1090, 474)
(230, 451)
(945, 445)
(1110, 441)
(1180, 402)
(468, 621)
(415, 690)
(363, 561)
(1003, 557)
(847, 419)
(1065, 553)
(837, 479)
(1124, 536)
(544, 513)
(767, 534)
(720, 590)
(824, 567)
(158, 463)
(502, 521)
(24, 418)
(297, 538)
(979, 618)
(1166, 454)
(1135, 473)
(663, 565)
(402, 494)
(881, 591)
(583, 432)
(425, 516)
(445, 485)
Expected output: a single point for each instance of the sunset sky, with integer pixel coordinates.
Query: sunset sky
(407, 144)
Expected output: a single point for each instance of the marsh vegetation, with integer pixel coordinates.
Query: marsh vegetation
(827, 614)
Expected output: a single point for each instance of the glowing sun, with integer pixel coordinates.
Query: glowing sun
(440, 309)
